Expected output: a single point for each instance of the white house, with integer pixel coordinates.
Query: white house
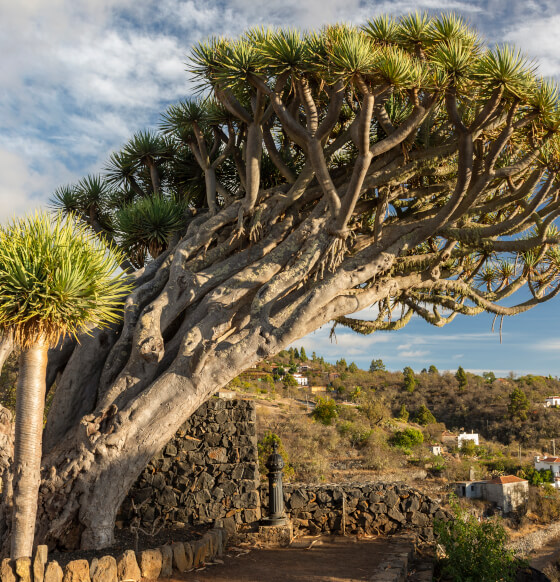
(552, 401)
(435, 449)
(465, 436)
(301, 380)
(548, 464)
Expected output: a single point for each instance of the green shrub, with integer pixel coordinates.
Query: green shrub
(474, 551)
(325, 411)
(406, 439)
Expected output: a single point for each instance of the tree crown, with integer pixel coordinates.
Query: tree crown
(56, 278)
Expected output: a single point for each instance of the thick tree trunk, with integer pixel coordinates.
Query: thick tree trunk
(30, 404)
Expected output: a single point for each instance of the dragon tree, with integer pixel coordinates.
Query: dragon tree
(402, 164)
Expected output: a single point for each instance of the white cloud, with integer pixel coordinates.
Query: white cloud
(539, 39)
(18, 181)
(413, 354)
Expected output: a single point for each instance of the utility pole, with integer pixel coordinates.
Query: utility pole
(553, 447)
(520, 451)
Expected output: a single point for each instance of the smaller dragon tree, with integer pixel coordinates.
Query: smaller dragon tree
(56, 278)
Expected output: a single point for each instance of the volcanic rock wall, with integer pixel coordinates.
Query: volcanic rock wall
(208, 471)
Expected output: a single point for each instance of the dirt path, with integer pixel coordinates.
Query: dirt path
(330, 559)
(548, 554)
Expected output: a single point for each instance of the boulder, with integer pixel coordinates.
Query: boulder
(76, 571)
(166, 561)
(179, 558)
(40, 562)
(106, 570)
(150, 564)
(127, 567)
(7, 573)
(23, 569)
(53, 572)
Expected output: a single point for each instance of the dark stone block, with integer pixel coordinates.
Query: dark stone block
(158, 481)
(171, 450)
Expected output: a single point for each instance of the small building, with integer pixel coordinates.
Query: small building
(552, 401)
(508, 493)
(465, 436)
(548, 464)
(470, 489)
(436, 449)
(301, 380)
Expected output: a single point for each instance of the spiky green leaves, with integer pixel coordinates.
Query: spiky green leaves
(507, 68)
(55, 278)
(147, 147)
(148, 226)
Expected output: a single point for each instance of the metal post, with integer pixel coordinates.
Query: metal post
(275, 464)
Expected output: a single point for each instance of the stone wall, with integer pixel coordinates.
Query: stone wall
(208, 471)
(372, 508)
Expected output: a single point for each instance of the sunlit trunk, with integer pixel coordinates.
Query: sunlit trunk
(30, 403)
(6, 348)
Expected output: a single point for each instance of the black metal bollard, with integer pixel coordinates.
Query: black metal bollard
(275, 464)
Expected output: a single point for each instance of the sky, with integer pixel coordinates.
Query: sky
(79, 77)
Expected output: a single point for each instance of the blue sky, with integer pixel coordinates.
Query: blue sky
(78, 77)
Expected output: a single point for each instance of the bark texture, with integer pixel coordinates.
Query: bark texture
(30, 399)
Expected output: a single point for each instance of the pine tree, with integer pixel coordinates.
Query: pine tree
(403, 414)
(461, 376)
(409, 379)
(377, 366)
(424, 416)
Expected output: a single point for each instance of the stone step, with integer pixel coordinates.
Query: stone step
(394, 567)
(421, 571)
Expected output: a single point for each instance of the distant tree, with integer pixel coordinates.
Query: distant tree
(403, 414)
(461, 376)
(518, 404)
(374, 409)
(489, 377)
(433, 370)
(302, 354)
(405, 439)
(313, 356)
(353, 368)
(377, 366)
(423, 371)
(289, 380)
(341, 365)
(468, 448)
(296, 354)
(409, 379)
(355, 394)
(424, 416)
(325, 411)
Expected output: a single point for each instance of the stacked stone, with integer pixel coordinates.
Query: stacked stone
(129, 567)
(208, 471)
(359, 508)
